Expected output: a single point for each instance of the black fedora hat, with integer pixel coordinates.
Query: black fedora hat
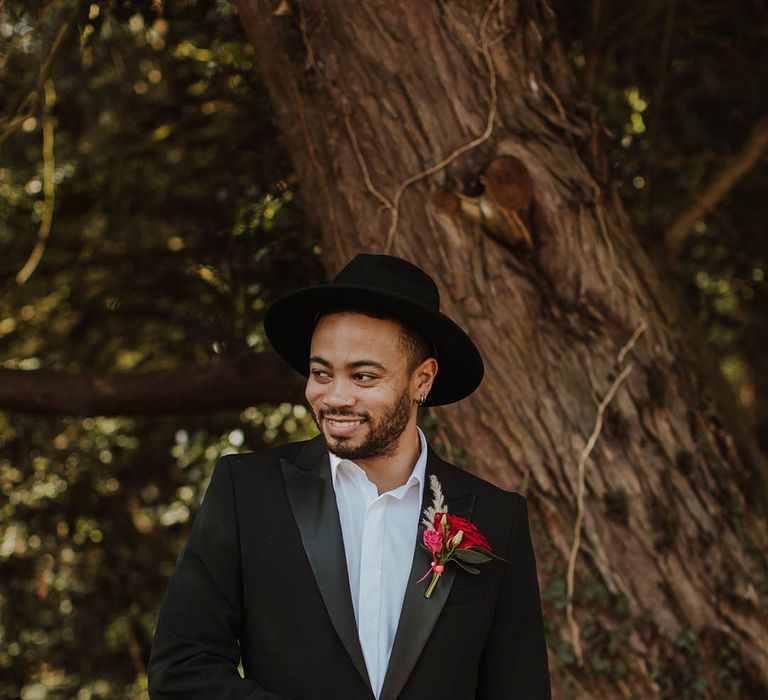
(388, 286)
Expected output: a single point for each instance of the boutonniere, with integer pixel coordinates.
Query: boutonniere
(449, 538)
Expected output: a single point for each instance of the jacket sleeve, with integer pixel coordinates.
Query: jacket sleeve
(514, 661)
(196, 652)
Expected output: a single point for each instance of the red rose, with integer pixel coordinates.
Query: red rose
(472, 536)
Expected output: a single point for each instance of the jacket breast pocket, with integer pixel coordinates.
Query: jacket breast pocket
(466, 595)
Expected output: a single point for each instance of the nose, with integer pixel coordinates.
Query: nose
(339, 395)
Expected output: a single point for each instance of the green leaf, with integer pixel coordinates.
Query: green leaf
(469, 569)
(488, 553)
(472, 556)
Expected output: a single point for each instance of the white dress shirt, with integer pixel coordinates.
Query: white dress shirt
(379, 537)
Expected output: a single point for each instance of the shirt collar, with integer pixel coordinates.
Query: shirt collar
(417, 475)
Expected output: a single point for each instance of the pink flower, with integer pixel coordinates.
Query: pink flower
(433, 540)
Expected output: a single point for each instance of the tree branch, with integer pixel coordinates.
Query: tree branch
(30, 103)
(216, 387)
(49, 187)
(750, 154)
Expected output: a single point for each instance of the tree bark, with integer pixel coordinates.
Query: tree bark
(262, 379)
(393, 114)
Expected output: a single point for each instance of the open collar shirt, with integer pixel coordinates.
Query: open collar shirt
(379, 534)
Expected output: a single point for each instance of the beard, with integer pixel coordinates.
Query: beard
(383, 434)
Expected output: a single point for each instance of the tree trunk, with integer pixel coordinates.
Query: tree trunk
(423, 128)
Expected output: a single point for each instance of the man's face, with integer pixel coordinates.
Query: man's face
(359, 388)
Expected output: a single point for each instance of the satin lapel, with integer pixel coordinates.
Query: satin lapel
(419, 614)
(313, 500)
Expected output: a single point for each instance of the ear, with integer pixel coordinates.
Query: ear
(423, 377)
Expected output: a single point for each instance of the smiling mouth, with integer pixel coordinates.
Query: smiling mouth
(342, 425)
(344, 422)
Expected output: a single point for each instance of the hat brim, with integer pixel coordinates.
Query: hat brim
(290, 323)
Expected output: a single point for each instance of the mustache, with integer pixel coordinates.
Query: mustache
(341, 413)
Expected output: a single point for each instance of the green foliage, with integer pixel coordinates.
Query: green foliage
(94, 516)
(681, 673)
(605, 634)
(684, 673)
(176, 211)
(176, 220)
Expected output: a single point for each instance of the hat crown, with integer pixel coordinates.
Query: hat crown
(392, 275)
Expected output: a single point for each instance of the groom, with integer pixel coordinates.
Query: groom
(306, 561)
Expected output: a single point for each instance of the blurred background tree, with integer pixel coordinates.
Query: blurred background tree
(148, 213)
(175, 220)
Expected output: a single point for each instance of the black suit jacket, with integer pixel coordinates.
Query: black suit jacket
(263, 576)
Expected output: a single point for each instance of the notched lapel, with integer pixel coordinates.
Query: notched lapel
(419, 614)
(313, 501)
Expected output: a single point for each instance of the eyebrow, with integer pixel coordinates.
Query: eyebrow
(350, 365)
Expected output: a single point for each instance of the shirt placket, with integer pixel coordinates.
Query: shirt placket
(371, 573)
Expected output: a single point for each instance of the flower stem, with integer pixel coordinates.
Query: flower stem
(435, 579)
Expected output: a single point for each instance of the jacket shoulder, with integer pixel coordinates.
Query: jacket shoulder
(263, 459)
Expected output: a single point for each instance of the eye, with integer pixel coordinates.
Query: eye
(319, 374)
(364, 377)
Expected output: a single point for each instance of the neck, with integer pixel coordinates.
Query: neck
(390, 471)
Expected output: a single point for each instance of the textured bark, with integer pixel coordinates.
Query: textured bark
(263, 379)
(670, 586)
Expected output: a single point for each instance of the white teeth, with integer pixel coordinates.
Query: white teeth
(343, 422)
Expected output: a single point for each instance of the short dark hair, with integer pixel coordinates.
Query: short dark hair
(412, 341)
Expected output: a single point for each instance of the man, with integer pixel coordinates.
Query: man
(306, 561)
